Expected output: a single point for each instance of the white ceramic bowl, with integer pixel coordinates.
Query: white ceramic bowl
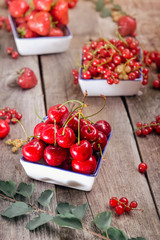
(97, 87)
(41, 45)
(45, 173)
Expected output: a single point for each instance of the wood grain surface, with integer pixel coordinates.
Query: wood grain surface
(118, 175)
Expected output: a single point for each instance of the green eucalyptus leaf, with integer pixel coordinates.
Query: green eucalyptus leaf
(64, 207)
(8, 188)
(138, 238)
(16, 209)
(116, 234)
(80, 211)
(26, 190)
(99, 5)
(103, 221)
(117, 7)
(45, 198)
(68, 220)
(105, 12)
(39, 221)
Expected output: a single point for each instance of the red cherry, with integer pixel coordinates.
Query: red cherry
(86, 167)
(55, 155)
(142, 167)
(101, 140)
(113, 202)
(48, 133)
(103, 126)
(56, 112)
(4, 128)
(38, 129)
(81, 152)
(89, 132)
(65, 138)
(72, 120)
(34, 150)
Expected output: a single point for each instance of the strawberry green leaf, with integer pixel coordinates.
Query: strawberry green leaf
(99, 5)
(117, 7)
(16, 209)
(105, 12)
(103, 221)
(64, 207)
(38, 221)
(45, 198)
(80, 211)
(116, 234)
(68, 220)
(8, 188)
(26, 190)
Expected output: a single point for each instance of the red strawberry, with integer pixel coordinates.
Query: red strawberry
(127, 25)
(55, 32)
(43, 5)
(18, 8)
(40, 23)
(30, 14)
(27, 78)
(60, 12)
(20, 20)
(25, 32)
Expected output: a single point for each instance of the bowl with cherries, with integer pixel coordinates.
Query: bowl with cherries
(112, 67)
(67, 148)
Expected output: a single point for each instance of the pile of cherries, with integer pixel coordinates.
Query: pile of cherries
(145, 129)
(113, 60)
(7, 116)
(68, 139)
(121, 205)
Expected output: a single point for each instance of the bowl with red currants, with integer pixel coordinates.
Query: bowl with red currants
(112, 68)
(67, 148)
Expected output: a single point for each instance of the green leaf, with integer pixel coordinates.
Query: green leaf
(16, 209)
(117, 7)
(8, 188)
(80, 211)
(99, 5)
(103, 221)
(64, 207)
(116, 234)
(105, 12)
(26, 190)
(68, 220)
(38, 221)
(45, 198)
(138, 238)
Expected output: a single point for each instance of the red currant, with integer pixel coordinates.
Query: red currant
(142, 167)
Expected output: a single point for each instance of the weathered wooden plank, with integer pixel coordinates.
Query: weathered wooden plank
(118, 175)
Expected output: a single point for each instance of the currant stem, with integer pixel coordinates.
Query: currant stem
(121, 38)
(149, 125)
(104, 104)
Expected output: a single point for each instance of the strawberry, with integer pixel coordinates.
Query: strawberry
(18, 8)
(30, 14)
(60, 12)
(43, 5)
(55, 32)
(27, 78)
(25, 32)
(20, 20)
(40, 23)
(127, 26)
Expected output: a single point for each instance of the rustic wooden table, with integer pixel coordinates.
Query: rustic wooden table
(118, 175)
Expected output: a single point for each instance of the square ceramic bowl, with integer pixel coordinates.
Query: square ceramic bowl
(41, 45)
(45, 173)
(97, 87)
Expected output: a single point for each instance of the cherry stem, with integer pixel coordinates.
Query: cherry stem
(38, 114)
(69, 101)
(79, 137)
(22, 128)
(100, 149)
(104, 104)
(55, 143)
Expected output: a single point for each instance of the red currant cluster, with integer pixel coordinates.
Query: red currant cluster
(10, 51)
(5, 23)
(149, 57)
(113, 60)
(156, 82)
(10, 115)
(144, 129)
(68, 139)
(122, 205)
(75, 76)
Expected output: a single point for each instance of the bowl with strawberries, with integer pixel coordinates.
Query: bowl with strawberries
(112, 67)
(40, 28)
(67, 148)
